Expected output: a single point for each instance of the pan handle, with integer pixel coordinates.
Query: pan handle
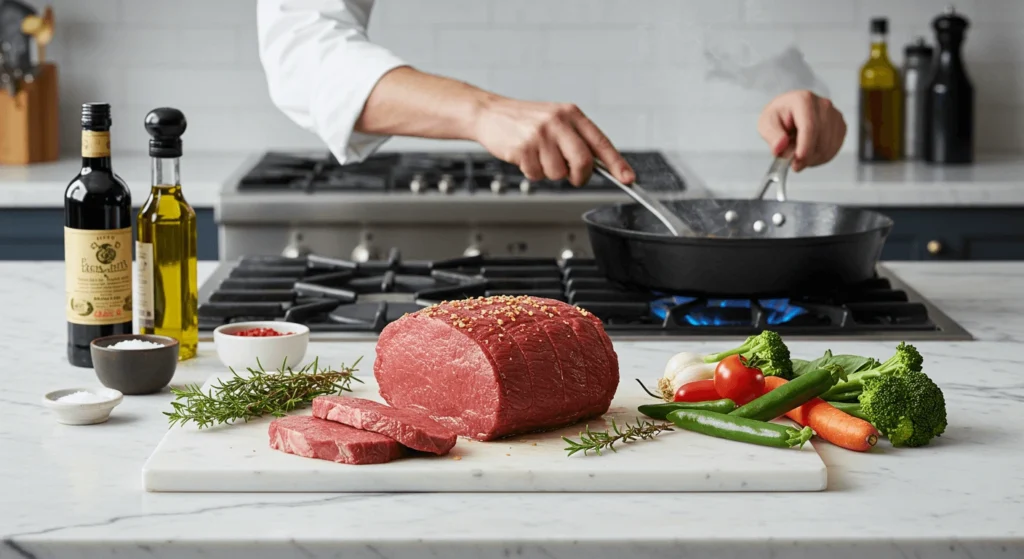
(777, 173)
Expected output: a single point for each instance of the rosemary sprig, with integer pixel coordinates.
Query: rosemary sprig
(597, 440)
(258, 394)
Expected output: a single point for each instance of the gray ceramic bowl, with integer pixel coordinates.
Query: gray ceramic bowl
(135, 371)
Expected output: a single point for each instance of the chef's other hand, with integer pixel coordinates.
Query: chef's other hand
(819, 128)
(547, 140)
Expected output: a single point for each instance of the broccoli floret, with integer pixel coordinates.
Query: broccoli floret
(766, 351)
(907, 407)
(906, 359)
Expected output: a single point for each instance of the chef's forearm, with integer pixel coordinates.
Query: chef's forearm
(407, 102)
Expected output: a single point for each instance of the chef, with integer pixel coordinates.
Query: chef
(326, 75)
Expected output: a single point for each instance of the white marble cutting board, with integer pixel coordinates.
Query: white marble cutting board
(239, 458)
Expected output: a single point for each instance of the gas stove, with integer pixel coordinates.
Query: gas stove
(428, 204)
(343, 299)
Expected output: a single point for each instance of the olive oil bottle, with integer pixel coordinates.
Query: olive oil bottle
(881, 101)
(166, 290)
(97, 243)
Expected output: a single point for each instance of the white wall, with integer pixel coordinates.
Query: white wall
(638, 67)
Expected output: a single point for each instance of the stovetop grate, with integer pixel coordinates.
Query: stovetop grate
(334, 296)
(387, 173)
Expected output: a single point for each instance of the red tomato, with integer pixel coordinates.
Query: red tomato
(697, 391)
(738, 382)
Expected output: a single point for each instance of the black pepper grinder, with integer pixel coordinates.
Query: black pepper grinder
(949, 102)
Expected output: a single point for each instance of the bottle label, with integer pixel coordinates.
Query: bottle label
(98, 275)
(95, 143)
(144, 307)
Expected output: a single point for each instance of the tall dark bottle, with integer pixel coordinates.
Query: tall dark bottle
(949, 102)
(97, 243)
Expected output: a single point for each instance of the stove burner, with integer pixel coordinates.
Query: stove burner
(333, 295)
(727, 312)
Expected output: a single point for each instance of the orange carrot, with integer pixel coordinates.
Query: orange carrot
(829, 423)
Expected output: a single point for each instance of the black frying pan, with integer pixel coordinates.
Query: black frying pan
(739, 247)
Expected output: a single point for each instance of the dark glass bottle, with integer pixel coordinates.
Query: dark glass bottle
(97, 243)
(949, 112)
(881, 101)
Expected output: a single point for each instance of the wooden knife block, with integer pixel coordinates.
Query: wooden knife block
(29, 126)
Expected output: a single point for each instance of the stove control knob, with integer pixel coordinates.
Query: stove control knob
(498, 184)
(525, 186)
(364, 253)
(417, 184)
(295, 248)
(567, 254)
(446, 184)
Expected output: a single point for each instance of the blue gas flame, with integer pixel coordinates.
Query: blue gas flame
(780, 311)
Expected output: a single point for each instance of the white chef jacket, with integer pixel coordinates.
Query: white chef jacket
(321, 68)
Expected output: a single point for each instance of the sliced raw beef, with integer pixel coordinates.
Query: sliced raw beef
(412, 428)
(316, 438)
(497, 366)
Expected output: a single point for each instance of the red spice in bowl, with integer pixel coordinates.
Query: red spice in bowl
(258, 333)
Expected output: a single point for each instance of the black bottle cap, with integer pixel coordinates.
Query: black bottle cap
(165, 125)
(880, 25)
(919, 48)
(96, 116)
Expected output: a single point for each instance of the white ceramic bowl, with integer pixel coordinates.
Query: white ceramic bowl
(270, 352)
(71, 413)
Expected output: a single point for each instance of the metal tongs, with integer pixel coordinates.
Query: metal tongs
(666, 216)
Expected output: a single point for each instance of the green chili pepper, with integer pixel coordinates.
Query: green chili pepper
(793, 394)
(661, 411)
(740, 429)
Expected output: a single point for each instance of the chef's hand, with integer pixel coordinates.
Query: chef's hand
(819, 128)
(547, 140)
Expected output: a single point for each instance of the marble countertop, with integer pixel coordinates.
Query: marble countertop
(76, 491)
(203, 175)
(991, 181)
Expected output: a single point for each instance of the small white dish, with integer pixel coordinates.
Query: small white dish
(270, 352)
(75, 413)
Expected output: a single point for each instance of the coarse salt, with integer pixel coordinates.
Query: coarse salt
(135, 344)
(81, 397)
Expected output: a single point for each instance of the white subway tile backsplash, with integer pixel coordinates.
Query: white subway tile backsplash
(800, 11)
(995, 43)
(199, 88)
(80, 11)
(669, 88)
(833, 44)
(247, 51)
(430, 12)
(599, 46)
(175, 14)
(413, 44)
(94, 45)
(640, 68)
(550, 83)
(589, 12)
(489, 47)
(914, 13)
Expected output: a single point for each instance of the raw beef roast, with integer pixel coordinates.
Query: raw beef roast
(410, 427)
(497, 366)
(316, 438)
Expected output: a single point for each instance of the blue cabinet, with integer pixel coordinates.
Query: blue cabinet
(38, 234)
(955, 234)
